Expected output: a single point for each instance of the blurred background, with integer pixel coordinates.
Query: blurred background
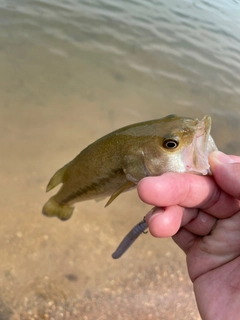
(71, 71)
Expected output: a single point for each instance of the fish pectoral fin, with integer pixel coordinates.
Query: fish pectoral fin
(56, 179)
(125, 187)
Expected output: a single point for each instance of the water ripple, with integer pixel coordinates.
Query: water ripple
(182, 41)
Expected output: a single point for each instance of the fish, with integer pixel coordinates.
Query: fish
(116, 162)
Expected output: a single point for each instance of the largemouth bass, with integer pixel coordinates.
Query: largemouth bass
(118, 161)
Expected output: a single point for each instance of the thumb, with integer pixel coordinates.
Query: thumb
(226, 172)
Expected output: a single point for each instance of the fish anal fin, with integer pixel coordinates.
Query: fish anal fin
(56, 179)
(125, 187)
(100, 199)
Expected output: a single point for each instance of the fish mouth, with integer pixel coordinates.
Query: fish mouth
(196, 154)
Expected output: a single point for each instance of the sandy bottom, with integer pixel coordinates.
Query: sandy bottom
(64, 270)
(56, 98)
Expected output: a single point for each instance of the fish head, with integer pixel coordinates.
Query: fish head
(185, 144)
(195, 153)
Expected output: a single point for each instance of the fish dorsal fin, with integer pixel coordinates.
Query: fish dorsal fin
(125, 187)
(56, 179)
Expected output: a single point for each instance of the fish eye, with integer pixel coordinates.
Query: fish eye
(170, 144)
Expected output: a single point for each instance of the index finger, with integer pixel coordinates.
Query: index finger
(187, 190)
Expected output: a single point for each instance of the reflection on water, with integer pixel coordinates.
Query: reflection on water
(71, 71)
(189, 47)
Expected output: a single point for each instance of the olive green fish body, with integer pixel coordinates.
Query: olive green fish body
(116, 162)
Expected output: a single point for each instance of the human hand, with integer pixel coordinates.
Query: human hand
(202, 213)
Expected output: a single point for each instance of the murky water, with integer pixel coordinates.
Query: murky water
(70, 72)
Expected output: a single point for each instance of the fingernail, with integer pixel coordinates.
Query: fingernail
(222, 157)
(153, 213)
(149, 214)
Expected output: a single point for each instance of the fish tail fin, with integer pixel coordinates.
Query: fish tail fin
(56, 179)
(53, 209)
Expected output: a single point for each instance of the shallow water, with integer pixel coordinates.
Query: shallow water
(70, 72)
